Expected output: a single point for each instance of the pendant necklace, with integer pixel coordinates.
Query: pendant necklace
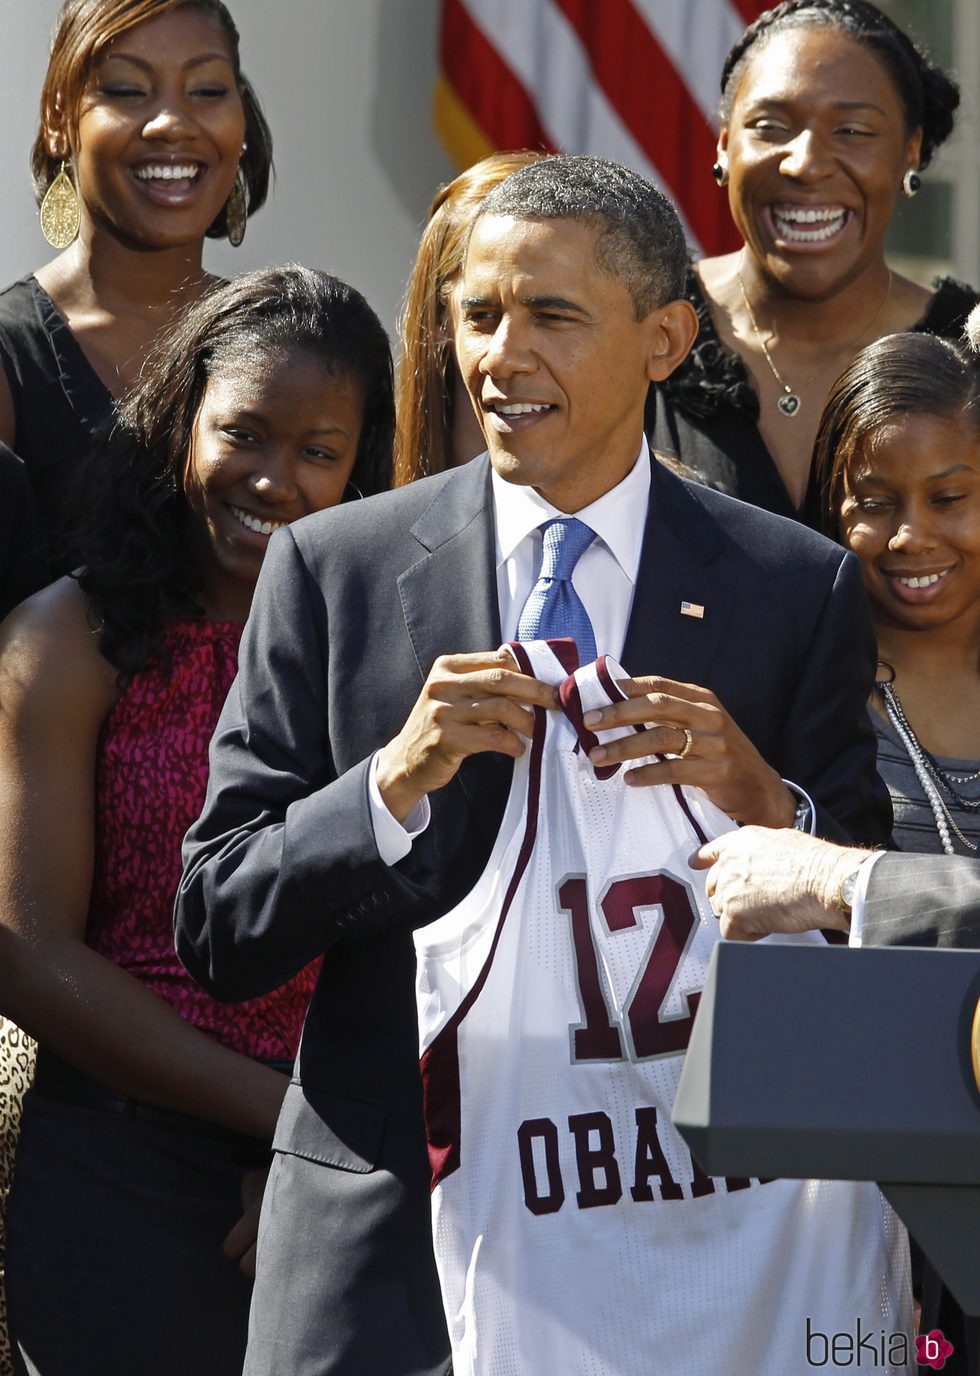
(790, 402)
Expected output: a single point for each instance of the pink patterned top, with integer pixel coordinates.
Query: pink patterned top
(151, 777)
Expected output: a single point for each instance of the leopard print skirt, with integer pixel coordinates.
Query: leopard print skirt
(16, 1072)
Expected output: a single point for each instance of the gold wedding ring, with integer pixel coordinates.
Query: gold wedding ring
(688, 742)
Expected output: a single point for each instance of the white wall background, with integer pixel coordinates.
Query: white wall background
(347, 88)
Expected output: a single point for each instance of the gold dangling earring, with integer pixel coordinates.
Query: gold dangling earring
(236, 211)
(60, 214)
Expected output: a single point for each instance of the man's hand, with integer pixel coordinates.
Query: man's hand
(239, 1245)
(762, 881)
(469, 704)
(721, 759)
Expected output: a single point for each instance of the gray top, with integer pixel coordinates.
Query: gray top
(915, 824)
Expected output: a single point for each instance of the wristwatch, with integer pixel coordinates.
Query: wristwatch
(845, 893)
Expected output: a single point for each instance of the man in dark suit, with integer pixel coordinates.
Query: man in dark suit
(362, 762)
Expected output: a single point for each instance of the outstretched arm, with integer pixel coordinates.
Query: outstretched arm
(761, 881)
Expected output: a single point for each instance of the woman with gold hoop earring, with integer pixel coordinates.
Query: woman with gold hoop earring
(143, 152)
(812, 172)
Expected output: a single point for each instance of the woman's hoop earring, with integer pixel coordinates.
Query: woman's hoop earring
(60, 213)
(911, 182)
(357, 491)
(236, 211)
(719, 171)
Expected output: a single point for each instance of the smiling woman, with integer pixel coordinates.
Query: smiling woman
(150, 140)
(829, 112)
(145, 1139)
(898, 464)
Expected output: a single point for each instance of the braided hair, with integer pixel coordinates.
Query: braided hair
(929, 97)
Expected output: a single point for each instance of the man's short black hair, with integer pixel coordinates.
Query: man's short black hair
(640, 239)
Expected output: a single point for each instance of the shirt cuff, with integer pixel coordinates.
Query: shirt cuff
(393, 839)
(810, 825)
(856, 937)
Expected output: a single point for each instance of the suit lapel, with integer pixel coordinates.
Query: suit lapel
(449, 601)
(680, 546)
(449, 598)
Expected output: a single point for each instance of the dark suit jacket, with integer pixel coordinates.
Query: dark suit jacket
(351, 610)
(923, 900)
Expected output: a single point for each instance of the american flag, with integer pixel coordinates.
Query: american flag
(631, 80)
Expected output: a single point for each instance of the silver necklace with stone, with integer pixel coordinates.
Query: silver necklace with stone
(790, 402)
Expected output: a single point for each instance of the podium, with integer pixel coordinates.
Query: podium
(830, 1063)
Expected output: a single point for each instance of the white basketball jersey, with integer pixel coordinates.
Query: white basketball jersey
(574, 1234)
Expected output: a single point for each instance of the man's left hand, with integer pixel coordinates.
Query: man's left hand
(720, 759)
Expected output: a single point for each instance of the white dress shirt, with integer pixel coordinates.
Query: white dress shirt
(605, 575)
(856, 934)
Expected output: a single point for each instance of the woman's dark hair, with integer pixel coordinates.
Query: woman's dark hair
(84, 30)
(138, 568)
(897, 376)
(929, 97)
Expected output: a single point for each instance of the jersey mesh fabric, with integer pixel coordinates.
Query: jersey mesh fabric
(151, 778)
(573, 1231)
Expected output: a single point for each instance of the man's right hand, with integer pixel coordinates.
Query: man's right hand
(469, 704)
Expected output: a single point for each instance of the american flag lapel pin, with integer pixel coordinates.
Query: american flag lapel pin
(692, 609)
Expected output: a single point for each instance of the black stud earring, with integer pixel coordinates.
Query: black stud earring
(719, 171)
(911, 183)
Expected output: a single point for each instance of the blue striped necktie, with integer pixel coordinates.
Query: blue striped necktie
(553, 608)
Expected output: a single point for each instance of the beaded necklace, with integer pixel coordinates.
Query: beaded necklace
(929, 774)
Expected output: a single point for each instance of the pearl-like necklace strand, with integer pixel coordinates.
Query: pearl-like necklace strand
(921, 765)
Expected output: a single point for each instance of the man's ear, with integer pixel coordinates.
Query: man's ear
(674, 328)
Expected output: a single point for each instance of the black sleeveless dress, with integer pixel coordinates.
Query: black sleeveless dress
(706, 414)
(21, 561)
(62, 409)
